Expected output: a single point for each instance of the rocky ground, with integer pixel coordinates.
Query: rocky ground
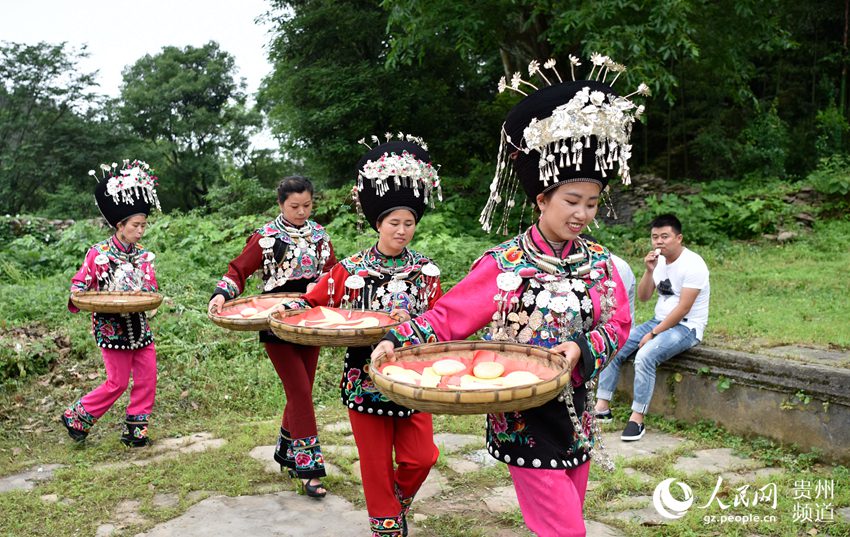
(447, 490)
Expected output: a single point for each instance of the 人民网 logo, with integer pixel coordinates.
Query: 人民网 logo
(668, 506)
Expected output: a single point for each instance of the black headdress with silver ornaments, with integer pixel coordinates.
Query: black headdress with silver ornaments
(570, 131)
(126, 191)
(396, 174)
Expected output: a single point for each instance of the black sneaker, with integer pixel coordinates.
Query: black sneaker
(605, 416)
(633, 431)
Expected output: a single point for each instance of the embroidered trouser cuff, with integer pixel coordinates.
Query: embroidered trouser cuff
(386, 526)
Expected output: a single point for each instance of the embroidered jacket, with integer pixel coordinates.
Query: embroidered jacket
(577, 302)
(409, 281)
(285, 263)
(109, 266)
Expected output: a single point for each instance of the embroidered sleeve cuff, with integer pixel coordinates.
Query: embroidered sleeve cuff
(227, 288)
(596, 347)
(414, 332)
(296, 304)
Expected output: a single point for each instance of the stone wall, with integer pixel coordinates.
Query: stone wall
(802, 404)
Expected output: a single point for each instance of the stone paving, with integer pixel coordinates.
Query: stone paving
(28, 479)
(281, 513)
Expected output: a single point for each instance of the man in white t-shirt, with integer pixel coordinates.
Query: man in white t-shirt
(681, 278)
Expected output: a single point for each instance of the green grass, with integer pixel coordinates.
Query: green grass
(219, 381)
(764, 294)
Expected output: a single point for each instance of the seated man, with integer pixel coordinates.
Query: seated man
(681, 313)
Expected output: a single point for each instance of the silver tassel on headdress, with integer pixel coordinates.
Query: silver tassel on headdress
(561, 138)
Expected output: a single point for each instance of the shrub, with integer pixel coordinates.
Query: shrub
(764, 145)
(832, 179)
(725, 210)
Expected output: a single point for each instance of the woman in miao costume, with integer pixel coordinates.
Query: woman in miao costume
(125, 197)
(548, 286)
(395, 184)
(291, 252)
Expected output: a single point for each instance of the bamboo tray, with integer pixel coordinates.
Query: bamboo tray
(328, 337)
(482, 401)
(116, 301)
(251, 324)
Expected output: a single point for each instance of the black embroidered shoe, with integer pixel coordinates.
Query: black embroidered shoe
(78, 421)
(136, 433)
(604, 416)
(634, 431)
(76, 435)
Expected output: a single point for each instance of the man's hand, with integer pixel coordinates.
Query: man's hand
(384, 347)
(645, 339)
(215, 304)
(651, 260)
(572, 351)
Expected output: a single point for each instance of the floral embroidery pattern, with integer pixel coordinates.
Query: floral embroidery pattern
(119, 270)
(359, 387)
(406, 289)
(414, 332)
(229, 287)
(385, 527)
(137, 424)
(553, 307)
(509, 428)
(76, 417)
(283, 450)
(307, 453)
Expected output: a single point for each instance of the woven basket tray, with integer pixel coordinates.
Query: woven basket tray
(326, 337)
(457, 401)
(116, 301)
(242, 324)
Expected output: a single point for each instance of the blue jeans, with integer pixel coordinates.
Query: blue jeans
(655, 352)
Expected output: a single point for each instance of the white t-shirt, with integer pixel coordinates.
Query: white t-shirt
(629, 281)
(688, 271)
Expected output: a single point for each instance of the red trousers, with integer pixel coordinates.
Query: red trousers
(296, 367)
(415, 453)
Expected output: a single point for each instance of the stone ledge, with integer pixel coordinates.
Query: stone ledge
(760, 371)
(760, 400)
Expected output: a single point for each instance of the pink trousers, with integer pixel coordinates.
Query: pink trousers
(120, 366)
(552, 501)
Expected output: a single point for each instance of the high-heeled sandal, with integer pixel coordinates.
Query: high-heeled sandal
(288, 470)
(313, 490)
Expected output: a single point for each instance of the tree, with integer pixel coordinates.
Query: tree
(52, 130)
(187, 104)
(332, 85)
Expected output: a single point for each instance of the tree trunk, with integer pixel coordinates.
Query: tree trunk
(844, 59)
(506, 63)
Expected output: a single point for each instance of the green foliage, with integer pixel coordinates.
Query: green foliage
(832, 179)
(16, 361)
(236, 195)
(723, 384)
(187, 104)
(725, 210)
(51, 128)
(332, 85)
(833, 132)
(763, 144)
